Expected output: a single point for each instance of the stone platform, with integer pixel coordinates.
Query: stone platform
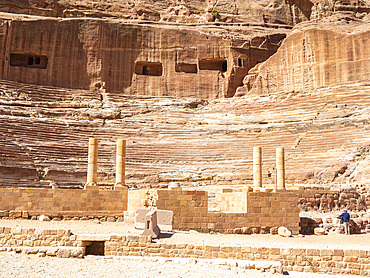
(337, 254)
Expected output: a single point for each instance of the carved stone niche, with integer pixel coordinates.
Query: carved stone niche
(213, 64)
(186, 67)
(28, 60)
(148, 68)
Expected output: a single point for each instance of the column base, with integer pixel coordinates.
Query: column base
(120, 186)
(91, 185)
(279, 190)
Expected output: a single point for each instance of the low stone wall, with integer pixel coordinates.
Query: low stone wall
(264, 210)
(64, 202)
(356, 262)
(62, 243)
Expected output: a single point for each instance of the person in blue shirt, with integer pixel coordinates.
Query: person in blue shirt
(345, 217)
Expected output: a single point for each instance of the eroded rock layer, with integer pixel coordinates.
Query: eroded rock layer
(44, 135)
(288, 12)
(190, 11)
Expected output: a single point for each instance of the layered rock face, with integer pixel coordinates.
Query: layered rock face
(133, 58)
(44, 135)
(311, 58)
(288, 12)
(158, 86)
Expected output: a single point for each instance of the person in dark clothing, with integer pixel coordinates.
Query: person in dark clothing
(345, 217)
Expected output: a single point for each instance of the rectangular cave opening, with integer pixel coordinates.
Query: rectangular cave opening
(37, 60)
(95, 248)
(240, 62)
(148, 68)
(28, 60)
(213, 64)
(186, 67)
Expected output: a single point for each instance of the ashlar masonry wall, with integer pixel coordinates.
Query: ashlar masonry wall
(265, 210)
(335, 261)
(190, 208)
(64, 202)
(232, 199)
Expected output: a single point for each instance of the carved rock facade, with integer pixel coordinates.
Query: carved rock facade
(313, 58)
(131, 58)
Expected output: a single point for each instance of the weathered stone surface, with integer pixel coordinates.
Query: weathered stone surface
(44, 218)
(284, 232)
(319, 231)
(164, 219)
(304, 62)
(64, 253)
(288, 12)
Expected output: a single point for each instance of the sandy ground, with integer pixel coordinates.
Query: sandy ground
(19, 265)
(30, 266)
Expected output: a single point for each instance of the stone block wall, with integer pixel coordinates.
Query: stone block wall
(274, 209)
(231, 200)
(265, 210)
(336, 261)
(64, 202)
(62, 244)
(190, 208)
(136, 199)
(141, 198)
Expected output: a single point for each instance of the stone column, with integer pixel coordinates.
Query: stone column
(257, 166)
(92, 168)
(280, 168)
(120, 163)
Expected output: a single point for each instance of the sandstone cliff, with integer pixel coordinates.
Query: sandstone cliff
(133, 58)
(314, 55)
(268, 11)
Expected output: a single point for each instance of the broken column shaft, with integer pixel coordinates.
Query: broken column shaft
(257, 166)
(120, 163)
(280, 168)
(92, 168)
